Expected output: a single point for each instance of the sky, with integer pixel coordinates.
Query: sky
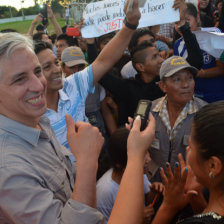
(17, 3)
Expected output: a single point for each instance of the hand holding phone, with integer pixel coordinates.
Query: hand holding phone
(43, 11)
(143, 110)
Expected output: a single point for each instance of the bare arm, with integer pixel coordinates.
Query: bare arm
(36, 20)
(212, 72)
(130, 209)
(115, 48)
(57, 27)
(108, 117)
(85, 142)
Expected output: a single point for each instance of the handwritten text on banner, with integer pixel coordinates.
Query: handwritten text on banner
(106, 16)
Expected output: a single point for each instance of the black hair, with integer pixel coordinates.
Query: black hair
(117, 149)
(208, 10)
(138, 54)
(208, 130)
(40, 27)
(192, 10)
(136, 35)
(38, 36)
(71, 41)
(103, 37)
(53, 37)
(64, 28)
(40, 46)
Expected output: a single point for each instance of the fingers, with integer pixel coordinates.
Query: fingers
(169, 171)
(128, 125)
(163, 176)
(136, 124)
(181, 160)
(70, 124)
(177, 174)
(151, 124)
(184, 175)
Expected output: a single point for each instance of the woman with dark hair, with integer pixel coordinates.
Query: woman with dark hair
(206, 10)
(205, 157)
(108, 184)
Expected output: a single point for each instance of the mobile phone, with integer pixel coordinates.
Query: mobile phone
(143, 110)
(43, 11)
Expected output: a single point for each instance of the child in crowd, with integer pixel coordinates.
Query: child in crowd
(108, 184)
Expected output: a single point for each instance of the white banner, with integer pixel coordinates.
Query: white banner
(107, 16)
(211, 42)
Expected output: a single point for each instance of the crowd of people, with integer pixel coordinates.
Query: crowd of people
(71, 151)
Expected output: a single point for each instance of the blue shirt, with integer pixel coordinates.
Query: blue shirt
(208, 89)
(71, 101)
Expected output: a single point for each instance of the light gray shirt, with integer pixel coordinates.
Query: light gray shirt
(36, 179)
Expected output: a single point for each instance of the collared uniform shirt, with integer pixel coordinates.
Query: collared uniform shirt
(72, 99)
(161, 107)
(36, 179)
(169, 142)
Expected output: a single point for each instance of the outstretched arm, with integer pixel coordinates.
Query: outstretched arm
(85, 142)
(51, 16)
(195, 57)
(128, 206)
(36, 20)
(112, 52)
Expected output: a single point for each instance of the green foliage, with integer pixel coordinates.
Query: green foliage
(56, 7)
(32, 10)
(5, 11)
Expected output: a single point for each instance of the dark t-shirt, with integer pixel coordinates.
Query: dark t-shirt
(127, 93)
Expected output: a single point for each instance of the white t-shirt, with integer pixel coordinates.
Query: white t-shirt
(128, 71)
(106, 192)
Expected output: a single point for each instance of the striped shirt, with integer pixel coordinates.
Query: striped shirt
(71, 101)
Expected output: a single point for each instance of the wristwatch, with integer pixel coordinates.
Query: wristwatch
(130, 26)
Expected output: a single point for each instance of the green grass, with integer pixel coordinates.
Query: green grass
(23, 26)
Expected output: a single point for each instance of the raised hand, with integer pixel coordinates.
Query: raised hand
(174, 184)
(140, 141)
(85, 141)
(181, 5)
(133, 14)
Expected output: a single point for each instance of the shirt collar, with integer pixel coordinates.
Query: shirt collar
(31, 135)
(62, 95)
(192, 107)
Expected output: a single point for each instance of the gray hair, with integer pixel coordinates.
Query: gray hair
(10, 42)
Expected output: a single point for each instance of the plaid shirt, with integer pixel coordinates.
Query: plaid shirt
(161, 107)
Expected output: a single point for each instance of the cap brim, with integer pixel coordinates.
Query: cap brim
(75, 62)
(191, 68)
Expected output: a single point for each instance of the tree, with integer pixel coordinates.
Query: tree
(5, 11)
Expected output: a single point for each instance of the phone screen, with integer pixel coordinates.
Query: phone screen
(142, 108)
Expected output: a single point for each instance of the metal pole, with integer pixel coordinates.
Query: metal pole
(22, 1)
(10, 11)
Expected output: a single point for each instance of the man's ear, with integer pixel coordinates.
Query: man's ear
(215, 165)
(139, 67)
(162, 86)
